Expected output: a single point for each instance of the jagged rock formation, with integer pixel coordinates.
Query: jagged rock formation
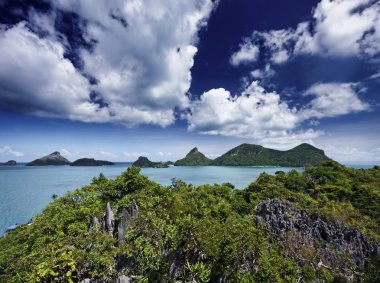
(9, 163)
(109, 220)
(90, 162)
(330, 243)
(120, 279)
(112, 225)
(194, 158)
(54, 158)
(115, 227)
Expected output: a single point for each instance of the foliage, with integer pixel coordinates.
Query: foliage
(187, 233)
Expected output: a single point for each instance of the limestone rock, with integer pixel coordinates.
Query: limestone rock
(123, 279)
(109, 220)
(331, 241)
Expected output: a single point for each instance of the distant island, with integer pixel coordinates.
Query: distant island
(9, 163)
(242, 155)
(144, 162)
(90, 162)
(54, 158)
(257, 155)
(194, 158)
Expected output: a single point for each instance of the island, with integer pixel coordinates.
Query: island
(144, 162)
(90, 162)
(54, 158)
(257, 155)
(9, 163)
(194, 158)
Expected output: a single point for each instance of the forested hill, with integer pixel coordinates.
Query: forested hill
(321, 225)
(256, 155)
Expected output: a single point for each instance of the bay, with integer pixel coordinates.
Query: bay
(25, 191)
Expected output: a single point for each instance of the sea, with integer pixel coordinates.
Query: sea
(25, 191)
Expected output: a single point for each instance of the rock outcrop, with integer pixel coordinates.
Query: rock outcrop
(90, 162)
(54, 158)
(112, 225)
(332, 243)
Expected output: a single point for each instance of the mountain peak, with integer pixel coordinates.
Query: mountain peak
(194, 158)
(194, 150)
(54, 158)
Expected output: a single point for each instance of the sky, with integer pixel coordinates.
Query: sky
(118, 79)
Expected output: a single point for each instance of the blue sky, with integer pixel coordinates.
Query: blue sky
(126, 78)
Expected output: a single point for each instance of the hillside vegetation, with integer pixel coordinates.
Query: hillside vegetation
(257, 155)
(322, 225)
(194, 158)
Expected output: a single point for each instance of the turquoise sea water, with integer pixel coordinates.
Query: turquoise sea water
(25, 191)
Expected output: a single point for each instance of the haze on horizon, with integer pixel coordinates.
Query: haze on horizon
(121, 79)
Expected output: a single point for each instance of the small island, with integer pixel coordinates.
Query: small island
(9, 163)
(54, 158)
(144, 162)
(194, 158)
(90, 162)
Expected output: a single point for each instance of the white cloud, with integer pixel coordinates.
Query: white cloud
(333, 99)
(135, 154)
(8, 151)
(142, 59)
(247, 53)
(160, 153)
(66, 152)
(342, 24)
(37, 79)
(255, 114)
(267, 72)
(338, 28)
(264, 117)
(107, 154)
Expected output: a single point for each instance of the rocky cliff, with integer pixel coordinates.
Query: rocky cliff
(309, 237)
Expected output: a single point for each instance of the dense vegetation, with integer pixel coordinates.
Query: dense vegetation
(193, 234)
(256, 155)
(194, 158)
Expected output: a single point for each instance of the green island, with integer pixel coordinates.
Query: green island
(144, 162)
(321, 225)
(257, 155)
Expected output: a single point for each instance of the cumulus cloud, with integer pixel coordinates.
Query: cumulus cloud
(139, 61)
(263, 116)
(247, 53)
(160, 153)
(338, 28)
(135, 154)
(264, 73)
(333, 99)
(8, 151)
(37, 79)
